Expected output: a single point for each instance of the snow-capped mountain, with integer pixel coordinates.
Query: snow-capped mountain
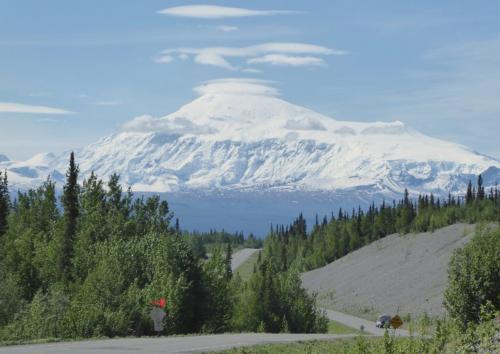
(241, 136)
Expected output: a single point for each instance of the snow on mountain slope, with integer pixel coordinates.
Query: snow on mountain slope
(239, 135)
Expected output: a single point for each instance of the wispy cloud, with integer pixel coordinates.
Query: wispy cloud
(218, 12)
(166, 59)
(275, 53)
(7, 107)
(107, 103)
(251, 70)
(210, 58)
(287, 60)
(226, 28)
(40, 94)
(174, 125)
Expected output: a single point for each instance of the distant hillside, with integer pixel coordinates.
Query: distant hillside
(408, 272)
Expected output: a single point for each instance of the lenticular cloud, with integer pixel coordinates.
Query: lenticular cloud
(237, 86)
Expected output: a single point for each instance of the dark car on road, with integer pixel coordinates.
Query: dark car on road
(383, 321)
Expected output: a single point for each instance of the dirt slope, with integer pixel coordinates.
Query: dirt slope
(408, 272)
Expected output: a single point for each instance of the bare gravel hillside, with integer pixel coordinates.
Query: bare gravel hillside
(408, 272)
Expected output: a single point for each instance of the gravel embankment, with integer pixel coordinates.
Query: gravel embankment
(406, 272)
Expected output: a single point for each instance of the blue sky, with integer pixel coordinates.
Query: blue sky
(74, 71)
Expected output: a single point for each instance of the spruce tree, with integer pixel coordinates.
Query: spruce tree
(469, 196)
(4, 202)
(228, 259)
(480, 188)
(71, 211)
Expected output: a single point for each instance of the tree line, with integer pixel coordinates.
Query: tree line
(292, 246)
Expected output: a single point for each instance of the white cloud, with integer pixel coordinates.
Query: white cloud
(271, 53)
(166, 59)
(237, 86)
(218, 12)
(251, 70)
(227, 28)
(287, 60)
(306, 123)
(174, 125)
(7, 107)
(40, 94)
(213, 59)
(107, 103)
(183, 56)
(48, 120)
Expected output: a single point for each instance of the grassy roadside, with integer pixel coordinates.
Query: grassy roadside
(314, 346)
(335, 327)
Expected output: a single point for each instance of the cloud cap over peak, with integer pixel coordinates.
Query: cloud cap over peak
(237, 86)
(218, 12)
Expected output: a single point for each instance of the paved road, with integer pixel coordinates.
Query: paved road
(187, 344)
(241, 256)
(356, 322)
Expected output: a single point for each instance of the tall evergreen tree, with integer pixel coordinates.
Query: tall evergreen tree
(480, 188)
(228, 259)
(469, 196)
(71, 212)
(4, 202)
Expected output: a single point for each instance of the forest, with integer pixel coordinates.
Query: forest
(89, 265)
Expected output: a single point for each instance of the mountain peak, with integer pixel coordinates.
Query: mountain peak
(241, 135)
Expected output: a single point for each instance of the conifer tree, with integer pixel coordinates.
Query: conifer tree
(480, 188)
(4, 202)
(229, 257)
(177, 226)
(469, 196)
(71, 212)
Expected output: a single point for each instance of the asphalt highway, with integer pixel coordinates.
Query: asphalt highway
(157, 345)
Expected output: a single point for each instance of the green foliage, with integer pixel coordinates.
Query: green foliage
(330, 239)
(42, 318)
(71, 210)
(93, 269)
(335, 327)
(10, 298)
(4, 202)
(219, 300)
(474, 277)
(274, 301)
